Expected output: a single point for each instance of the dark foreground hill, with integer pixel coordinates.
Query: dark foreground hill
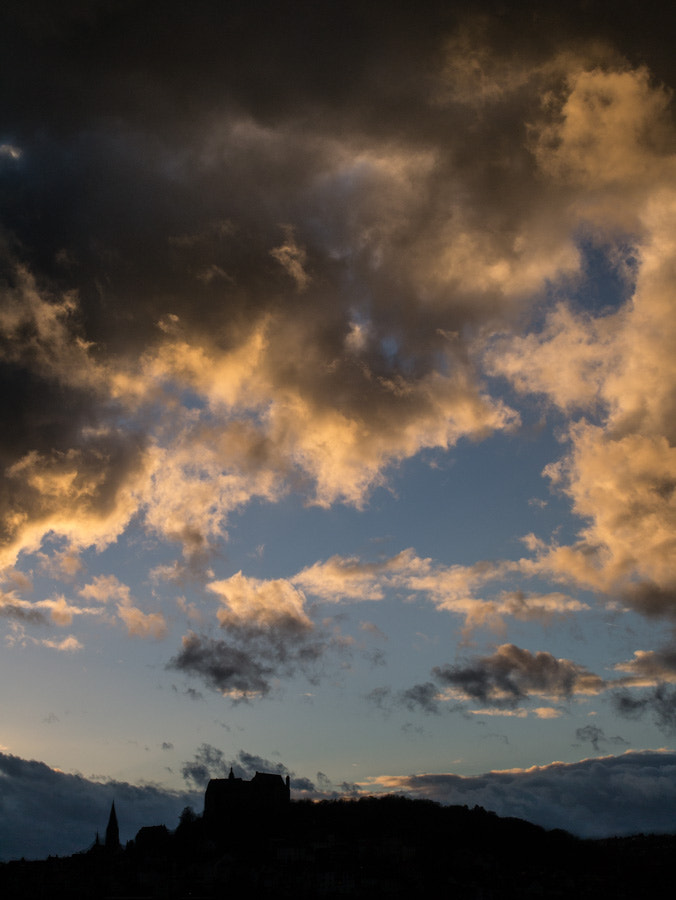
(373, 847)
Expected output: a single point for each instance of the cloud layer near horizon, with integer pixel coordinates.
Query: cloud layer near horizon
(46, 811)
(594, 798)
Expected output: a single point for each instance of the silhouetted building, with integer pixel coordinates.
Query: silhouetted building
(112, 831)
(152, 839)
(231, 800)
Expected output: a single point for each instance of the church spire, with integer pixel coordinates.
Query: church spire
(112, 830)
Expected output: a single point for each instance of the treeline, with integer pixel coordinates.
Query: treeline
(371, 847)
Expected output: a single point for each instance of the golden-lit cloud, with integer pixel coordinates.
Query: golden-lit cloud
(309, 301)
(344, 579)
(617, 367)
(292, 258)
(62, 612)
(140, 624)
(107, 588)
(611, 131)
(455, 589)
(68, 644)
(104, 588)
(648, 668)
(547, 712)
(262, 604)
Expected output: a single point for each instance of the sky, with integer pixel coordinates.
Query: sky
(338, 365)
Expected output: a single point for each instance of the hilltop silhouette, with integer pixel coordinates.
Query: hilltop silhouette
(253, 841)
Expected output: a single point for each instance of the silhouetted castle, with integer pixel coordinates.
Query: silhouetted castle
(231, 799)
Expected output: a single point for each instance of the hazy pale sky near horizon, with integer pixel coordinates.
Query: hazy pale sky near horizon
(338, 360)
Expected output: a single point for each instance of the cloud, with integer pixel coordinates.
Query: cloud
(10, 151)
(451, 588)
(506, 682)
(612, 132)
(292, 258)
(547, 712)
(210, 762)
(269, 635)
(425, 697)
(224, 667)
(247, 764)
(596, 736)
(614, 795)
(421, 696)
(341, 578)
(62, 612)
(380, 697)
(659, 703)
(47, 811)
(652, 600)
(616, 387)
(263, 605)
(142, 624)
(512, 674)
(13, 607)
(372, 629)
(649, 667)
(18, 636)
(105, 588)
(299, 382)
(68, 644)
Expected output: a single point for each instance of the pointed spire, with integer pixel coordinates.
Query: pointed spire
(231, 776)
(112, 831)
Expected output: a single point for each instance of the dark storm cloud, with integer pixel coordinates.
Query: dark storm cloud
(268, 635)
(246, 663)
(49, 812)
(160, 175)
(131, 91)
(512, 674)
(652, 600)
(658, 702)
(222, 666)
(619, 795)
(152, 59)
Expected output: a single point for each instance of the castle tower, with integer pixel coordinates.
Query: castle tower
(234, 806)
(112, 831)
